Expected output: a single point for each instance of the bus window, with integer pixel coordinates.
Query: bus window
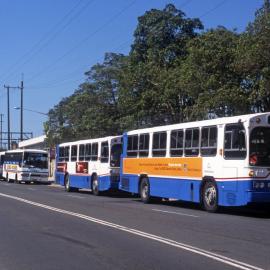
(144, 145)
(94, 152)
(192, 142)
(104, 157)
(235, 141)
(66, 153)
(74, 152)
(159, 144)
(61, 153)
(35, 160)
(132, 148)
(88, 150)
(260, 147)
(177, 143)
(209, 141)
(81, 152)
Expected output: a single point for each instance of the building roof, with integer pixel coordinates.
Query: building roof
(33, 141)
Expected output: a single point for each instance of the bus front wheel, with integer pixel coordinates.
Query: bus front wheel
(210, 196)
(145, 191)
(7, 178)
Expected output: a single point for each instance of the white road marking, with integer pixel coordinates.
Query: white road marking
(167, 241)
(76, 196)
(31, 188)
(176, 213)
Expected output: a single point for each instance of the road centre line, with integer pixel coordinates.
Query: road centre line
(176, 213)
(167, 241)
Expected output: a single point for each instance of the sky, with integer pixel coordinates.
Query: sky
(50, 44)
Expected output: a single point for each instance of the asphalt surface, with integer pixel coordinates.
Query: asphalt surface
(43, 227)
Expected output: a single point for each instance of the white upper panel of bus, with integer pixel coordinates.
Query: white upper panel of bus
(26, 150)
(109, 138)
(217, 121)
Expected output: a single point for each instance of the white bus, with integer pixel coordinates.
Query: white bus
(92, 164)
(27, 165)
(219, 162)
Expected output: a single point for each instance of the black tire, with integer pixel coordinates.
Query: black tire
(95, 186)
(68, 188)
(145, 191)
(16, 179)
(8, 179)
(210, 196)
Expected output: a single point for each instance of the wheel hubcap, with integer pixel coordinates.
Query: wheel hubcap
(210, 195)
(145, 191)
(95, 185)
(67, 183)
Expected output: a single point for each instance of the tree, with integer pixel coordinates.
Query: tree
(160, 45)
(253, 59)
(92, 111)
(209, 76)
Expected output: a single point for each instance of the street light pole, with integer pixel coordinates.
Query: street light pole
(21, 110)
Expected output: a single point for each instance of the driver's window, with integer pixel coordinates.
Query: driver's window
(235, 141)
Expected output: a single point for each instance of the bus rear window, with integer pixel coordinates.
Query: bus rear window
(260, 147)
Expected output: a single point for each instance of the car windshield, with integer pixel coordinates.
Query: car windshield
(35, 160)
(115, 155)
(260, 146)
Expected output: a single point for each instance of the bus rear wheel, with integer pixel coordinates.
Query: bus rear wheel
(145, 191)
(95, 186)
(210, 196)
(67, 184)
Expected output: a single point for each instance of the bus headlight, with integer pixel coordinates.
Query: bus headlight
(259, 185)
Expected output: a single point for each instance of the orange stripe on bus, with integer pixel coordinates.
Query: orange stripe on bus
(190, 167)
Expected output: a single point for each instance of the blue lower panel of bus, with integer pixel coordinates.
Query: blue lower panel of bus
(230, 193)
(107, 182)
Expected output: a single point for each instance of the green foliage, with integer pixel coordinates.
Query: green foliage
(173, 73)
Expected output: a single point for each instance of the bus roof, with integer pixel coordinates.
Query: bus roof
(26, 150)
(216, 121)
(90, 140)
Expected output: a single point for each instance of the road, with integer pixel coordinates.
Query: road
(43, 227)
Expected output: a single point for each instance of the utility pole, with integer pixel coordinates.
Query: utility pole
(8, 110)
(1, 130)
(21, 110)
(8, 114)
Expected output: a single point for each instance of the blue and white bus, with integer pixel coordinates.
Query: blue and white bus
(219, 162)
(91, 164)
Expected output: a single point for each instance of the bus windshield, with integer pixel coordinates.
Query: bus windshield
(260, 147)
(115, 155)
(35, 160)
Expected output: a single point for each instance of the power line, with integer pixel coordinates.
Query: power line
(213, 9)
(58, 82)
(118, 14)
(47, 38)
